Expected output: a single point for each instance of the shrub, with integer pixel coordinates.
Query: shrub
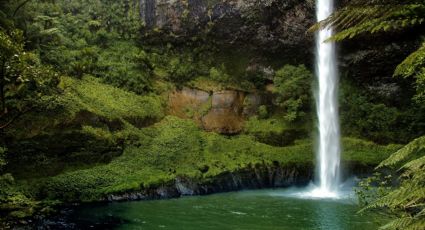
(374, 120)
(125, 65)
(181, 70)
(262, 111)
(293, 88)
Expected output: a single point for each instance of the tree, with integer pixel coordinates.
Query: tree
(11, 47)
(23, 80)
(293, 90)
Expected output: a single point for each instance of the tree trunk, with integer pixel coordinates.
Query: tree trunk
(2, 85)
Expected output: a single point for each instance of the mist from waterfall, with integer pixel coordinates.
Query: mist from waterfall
(329, 148)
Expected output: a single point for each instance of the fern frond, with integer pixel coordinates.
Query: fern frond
(414, 166)
(362, 17)
(402, 154)
(406, 202)
(412, 64)
(399, 223)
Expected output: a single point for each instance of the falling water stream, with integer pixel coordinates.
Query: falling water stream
(329, 149)
(327, 108)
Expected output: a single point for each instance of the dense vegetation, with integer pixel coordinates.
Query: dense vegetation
(84, 105)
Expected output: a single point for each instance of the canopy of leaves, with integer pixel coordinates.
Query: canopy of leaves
(24, 81)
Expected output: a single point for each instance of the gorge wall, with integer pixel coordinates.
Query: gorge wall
(263, 25)
(276, 30)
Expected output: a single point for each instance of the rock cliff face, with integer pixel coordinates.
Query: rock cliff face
(266, 24)
(274, 30)
(220, 111)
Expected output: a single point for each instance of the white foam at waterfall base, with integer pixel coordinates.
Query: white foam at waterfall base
(345, 192)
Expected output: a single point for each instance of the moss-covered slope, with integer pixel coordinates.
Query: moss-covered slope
(86, 123)
(178, 148)
(68, 149)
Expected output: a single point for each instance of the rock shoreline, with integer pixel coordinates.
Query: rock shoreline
(257, 177)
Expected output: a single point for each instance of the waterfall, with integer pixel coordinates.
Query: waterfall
(329, 149)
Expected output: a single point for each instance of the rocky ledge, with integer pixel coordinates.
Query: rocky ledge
(259, 176)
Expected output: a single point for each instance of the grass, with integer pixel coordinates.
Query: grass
(85, 126)
(108, 101)
(272, 125)
(275, 130)
(89, 101)
(367, 152)
(176, 147)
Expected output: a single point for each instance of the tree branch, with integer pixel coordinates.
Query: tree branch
(3, 126)
(20, 6)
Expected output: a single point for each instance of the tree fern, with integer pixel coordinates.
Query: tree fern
(414, 66)
(363, 16)
(407, 200)
(417, 145)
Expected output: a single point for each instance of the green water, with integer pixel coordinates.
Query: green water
(256, 210)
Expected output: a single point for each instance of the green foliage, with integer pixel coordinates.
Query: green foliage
(414, 66)
(273, 131)
(13, 202)
(219, 74)
(362, 117)
(126, 66)
(93, 38)
(362, 16)
(411, 151)
(24, 82)
(262, 111)
(2, 158)
(107, 101)
(181, 70)
(254, 124)
(406, 200)
(176, 147)
(293, 86)
(366, 153)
